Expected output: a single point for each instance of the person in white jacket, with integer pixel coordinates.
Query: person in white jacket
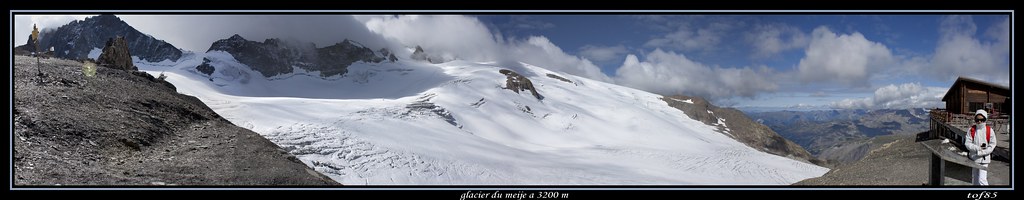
(980, 142)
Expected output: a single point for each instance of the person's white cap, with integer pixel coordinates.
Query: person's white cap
(982, 113)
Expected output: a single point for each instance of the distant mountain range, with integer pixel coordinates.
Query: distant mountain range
(829, 134)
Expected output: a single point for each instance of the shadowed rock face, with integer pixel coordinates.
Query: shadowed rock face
(116, 55)
(740, 127)
(275, 57)
(516, 83)
(127, 128)
(205, 68)
(76, 39)
(420, 54)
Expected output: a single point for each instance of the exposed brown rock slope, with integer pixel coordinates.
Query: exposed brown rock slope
(123, 127)
(739, 126)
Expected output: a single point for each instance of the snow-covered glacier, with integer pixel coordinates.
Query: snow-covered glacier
(452, 123)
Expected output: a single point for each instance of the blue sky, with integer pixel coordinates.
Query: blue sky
(778, 61)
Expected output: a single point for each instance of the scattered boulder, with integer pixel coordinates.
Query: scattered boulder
(115, 55)
(516, 83)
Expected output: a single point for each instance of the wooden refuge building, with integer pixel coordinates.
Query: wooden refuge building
(968, 95)
(964, 98)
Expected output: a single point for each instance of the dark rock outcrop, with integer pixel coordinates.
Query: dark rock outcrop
(516, 83)
(27, 49)
(391, 56)
(335, 59)
(124, 128)
(559, 78)
(275, 57)
(116, 55)
(740, 127)
(76, 39)
(205, 68)
(420, 54)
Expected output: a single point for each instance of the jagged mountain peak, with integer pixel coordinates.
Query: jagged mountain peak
(236, 37)
(80, 39)
(275, 56)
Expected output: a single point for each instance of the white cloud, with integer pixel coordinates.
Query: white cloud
(603, 53)
(907, 95)
(538, 50)
(771, 39)
(854, 103)
(843, 58)
(670, 73)
(960, 53)
(23, 24)
(467, 38)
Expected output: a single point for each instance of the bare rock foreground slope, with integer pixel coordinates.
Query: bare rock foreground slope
(128, 128)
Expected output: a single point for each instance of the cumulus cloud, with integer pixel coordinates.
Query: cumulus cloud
(771, 39)
(469, 39)
(907, 95)
(23, 24)
(960, 53)
(603, 53)
(670, 73)
(197, 32)
(847, 59)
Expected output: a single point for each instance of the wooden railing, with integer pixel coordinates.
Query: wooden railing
(964, 122)
(955, 126)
